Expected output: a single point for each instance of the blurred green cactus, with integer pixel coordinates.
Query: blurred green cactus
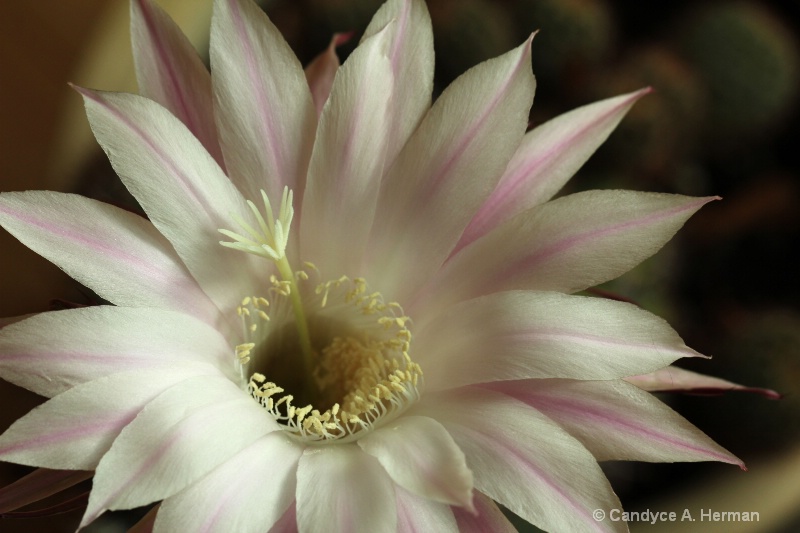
(467, 32)
(749, 61)
(575, 35)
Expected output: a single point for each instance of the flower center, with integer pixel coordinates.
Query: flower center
(327, 363)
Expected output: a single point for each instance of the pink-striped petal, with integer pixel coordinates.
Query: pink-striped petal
(616, 421)
(37, 486)
(321, 72)
(675, 379)
(80, 345)
(362, 500)
(524, 460)
(170, 72)
(177, 438)
(348, 158)
(181, 188)
(487, 517)
(566, 245)
(421, 515)
(421, 456)
(247, 493)
(119, 255)
(446, 170)
(76, 428)
(411, 57)
(547, 157)
(264, 110)
(527, 334)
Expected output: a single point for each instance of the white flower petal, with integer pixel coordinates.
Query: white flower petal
(265, 114)
(73, 430)
(675, 379)
(420, 515)
(322, 70)
(446, 170)
(528, 334)
(79, 345)
(421, 456)
(617, 421)
(341, 489)
(175, 440)
(548, 156)
(411, 56)
(247, 493)
(525, 461)
(170, 72)
(119, 255)
(487, 517)
(181, 188)
(566, 245)
(347, 162)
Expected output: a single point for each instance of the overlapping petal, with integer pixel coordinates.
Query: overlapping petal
(119, 255)
(180, 187)
(675, 379)
(528, 334)
(487, 517)
(37, 485)
(425, 461)
(547, 157)
(177, 438)
(348, 159)
(411, 59)
(170, 72)
(364, 503)
(247, 493)
(80, 345)
(524, 460)
(264, 110)
(321, 72)
(566, 245)
(76, 428)
(420, 515)
(617, 421)
(446, 170)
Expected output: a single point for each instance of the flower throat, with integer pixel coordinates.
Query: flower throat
(337, 362)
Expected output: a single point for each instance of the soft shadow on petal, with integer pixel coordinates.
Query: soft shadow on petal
(264, 110)
(419, 515)
(146, 524)
(248, 493)
(180, 187)
(347, 162)
(170, 72)
(674, 379)
(487, 517)
(530, 334)
(411, 56)
(80, 345)
(341, 489)
(566, 245)
(524, 460)
(37, 486)
(76, 428)
(421, 456)
(117, 254)
(617, 421)
(446, 171)
(546, 159)
(176, 439)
